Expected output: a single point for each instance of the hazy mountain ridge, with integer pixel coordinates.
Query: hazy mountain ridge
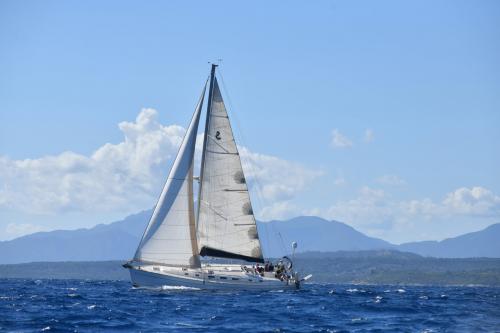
(118, 241)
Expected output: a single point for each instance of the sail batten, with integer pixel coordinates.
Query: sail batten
(226, 224)
(170, 237)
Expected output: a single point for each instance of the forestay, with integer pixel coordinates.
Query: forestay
(170, 237)
(226, 223)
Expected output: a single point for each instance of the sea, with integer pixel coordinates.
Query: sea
(112, 306)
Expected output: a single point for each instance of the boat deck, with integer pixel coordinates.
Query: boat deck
(215, 275)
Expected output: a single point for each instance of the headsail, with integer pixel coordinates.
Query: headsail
(226, 224)
(170, 237)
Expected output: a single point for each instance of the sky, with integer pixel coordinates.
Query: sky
(384, 115)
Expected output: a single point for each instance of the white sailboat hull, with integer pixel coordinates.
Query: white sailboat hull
(222, 279)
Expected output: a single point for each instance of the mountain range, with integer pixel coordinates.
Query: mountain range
(118, 241)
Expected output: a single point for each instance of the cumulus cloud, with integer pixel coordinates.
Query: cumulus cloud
(275, 178)
(279, 210)
(473, 201)
(375, 209)
(127, 176)
(368, 208)
(339, 140)
(115, 176)
(14, 230)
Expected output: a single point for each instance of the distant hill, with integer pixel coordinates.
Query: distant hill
(484, 243)
(115, 241)
(314, 234)
(118, 241)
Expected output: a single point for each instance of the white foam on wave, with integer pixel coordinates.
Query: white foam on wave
(189, 325)
(276, 291)
(401, 291)
(45, 328)
(178, 288)
(352, 290)
(358, 319)
(90, 307)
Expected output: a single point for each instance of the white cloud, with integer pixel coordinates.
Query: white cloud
(127, 176)
(376, 212)
(368, 208)
(369, 135)
(391, 180)
(275, 178)
(339, 140)
(279, 210)
(114, 177)
(13, 230)
(474, 201)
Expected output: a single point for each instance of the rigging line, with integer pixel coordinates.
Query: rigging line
(253, 170)
(282, 243)
(241, 139)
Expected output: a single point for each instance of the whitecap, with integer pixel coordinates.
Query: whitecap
(45, 328)
(401, 291)
(189, 325)
(352, 290)
(378, 299)
(178, 288)
(90, 307)
(424, 297)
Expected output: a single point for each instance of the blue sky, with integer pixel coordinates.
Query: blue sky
(384, 115)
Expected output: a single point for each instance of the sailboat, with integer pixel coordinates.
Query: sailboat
(184, 247)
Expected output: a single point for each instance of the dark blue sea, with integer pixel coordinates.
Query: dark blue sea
(108, 306)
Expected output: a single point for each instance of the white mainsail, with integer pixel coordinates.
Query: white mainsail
(226, 223)
(170, 237)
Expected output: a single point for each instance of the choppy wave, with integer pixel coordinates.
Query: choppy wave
(89, 306)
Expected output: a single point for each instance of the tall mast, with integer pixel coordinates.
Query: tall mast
(205, 138)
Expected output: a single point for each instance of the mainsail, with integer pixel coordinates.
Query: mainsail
(170, 237)
(226, 223)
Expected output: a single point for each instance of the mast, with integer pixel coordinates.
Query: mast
(205, 139)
